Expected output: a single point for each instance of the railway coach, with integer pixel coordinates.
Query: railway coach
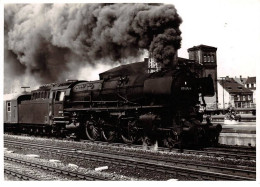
(11, 111)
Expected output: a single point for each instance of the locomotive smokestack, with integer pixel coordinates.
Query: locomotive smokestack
(155, 66)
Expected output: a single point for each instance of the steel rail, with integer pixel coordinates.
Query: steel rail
(150, 164)
(242, 152)
(246, 154)
(19, 174)
(75, 174)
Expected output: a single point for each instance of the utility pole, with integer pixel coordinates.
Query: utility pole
(223, 85)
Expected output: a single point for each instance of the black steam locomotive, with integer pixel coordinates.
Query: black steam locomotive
(126, 103)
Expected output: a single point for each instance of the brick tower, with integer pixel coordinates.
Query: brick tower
(207, 57)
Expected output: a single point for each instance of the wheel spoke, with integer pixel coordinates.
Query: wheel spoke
(171, 139)
(92, 130)
(129, 134)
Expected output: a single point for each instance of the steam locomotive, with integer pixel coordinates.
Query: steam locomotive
(126, 104)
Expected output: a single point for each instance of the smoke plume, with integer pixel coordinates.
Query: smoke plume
(48, 42)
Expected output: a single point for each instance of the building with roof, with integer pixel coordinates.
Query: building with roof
(240, 80)
(233, 94)
(249, 83)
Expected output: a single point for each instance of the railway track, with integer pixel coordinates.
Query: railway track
(20, 175)
(223, 151)
(151, 162)
(237, 153)
(71, 174)
(215, 152)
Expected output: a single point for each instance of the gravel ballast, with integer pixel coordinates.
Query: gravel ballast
(45, 175)
(132, 173)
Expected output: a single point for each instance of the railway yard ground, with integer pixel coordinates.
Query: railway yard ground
(40, 158)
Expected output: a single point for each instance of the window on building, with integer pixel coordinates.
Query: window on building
(244, 97)
(8, 105)
(208, 58)
(238, 97)
(247, 85)
(249, 97)
(252, 85)
(212, 58)
(205, 58)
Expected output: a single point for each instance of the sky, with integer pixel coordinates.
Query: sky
(232, 26)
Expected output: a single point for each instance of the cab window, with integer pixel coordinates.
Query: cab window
(59, 96)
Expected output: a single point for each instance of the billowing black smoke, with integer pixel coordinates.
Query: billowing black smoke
(44, 41)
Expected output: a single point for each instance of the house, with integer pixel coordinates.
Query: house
(232, 93)
(249, 83)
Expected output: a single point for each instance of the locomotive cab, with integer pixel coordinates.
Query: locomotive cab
(60, 96)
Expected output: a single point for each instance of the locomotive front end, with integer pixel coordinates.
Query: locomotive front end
(179, 121)
(186, 91)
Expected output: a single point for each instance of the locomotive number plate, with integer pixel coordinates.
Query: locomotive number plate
(185, 88)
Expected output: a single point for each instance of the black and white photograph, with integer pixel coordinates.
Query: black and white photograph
(130, 91)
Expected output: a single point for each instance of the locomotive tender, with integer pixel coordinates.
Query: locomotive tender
(125, 104)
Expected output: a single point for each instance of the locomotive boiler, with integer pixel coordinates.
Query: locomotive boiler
(127, 104)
